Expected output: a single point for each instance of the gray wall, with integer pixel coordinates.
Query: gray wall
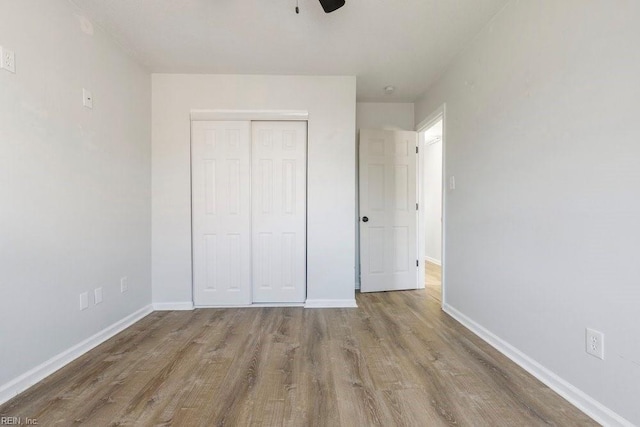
(385, 115)
(75, 184)
(331, 103)
(543, 230)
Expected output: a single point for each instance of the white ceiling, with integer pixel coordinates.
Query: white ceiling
(404, 43)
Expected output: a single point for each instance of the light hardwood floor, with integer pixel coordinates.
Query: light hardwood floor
(397, 360)
(433, 280)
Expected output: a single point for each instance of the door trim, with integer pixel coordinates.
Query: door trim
(249, 115)
(438, 114)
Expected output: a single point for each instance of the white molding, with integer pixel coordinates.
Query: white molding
(432, 118)
(439, 113)
(40, 372)
(331, 303)
(199, 115)
(255, 305)
(577, 397)
(173, 306)
(433, 260)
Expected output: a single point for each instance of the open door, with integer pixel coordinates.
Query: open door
(388, 218)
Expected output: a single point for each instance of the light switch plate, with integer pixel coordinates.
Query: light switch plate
(87, 98)
(97, 295)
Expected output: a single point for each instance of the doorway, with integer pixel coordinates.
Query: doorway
(431, 212)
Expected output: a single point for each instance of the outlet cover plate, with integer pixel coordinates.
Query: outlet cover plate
(84, 301)
(595, 343)
(7, 60)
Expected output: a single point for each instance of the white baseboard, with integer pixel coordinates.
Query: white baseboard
(40, 372)
(256, 305)
(577, 397)
(331, 303)
(173, 306)
(433, 261)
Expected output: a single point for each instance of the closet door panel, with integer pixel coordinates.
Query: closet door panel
(221, 212)
(279, 157)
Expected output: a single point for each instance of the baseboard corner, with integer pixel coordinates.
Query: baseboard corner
(433, 261)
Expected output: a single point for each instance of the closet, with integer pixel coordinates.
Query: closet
(248, 192)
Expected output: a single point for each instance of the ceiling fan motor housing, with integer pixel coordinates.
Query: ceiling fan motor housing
(331, 5)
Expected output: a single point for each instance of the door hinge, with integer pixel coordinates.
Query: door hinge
(417, 263)
(416, 206)
(416, 150)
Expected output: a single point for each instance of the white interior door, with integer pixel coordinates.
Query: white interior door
(388, 218)
(221, 212)
(279, 183)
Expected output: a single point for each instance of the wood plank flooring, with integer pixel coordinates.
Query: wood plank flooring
(433, 280)
(397, 360)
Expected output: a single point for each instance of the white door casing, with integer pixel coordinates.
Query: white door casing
(279, 182)
(221, 212)
(388, 217)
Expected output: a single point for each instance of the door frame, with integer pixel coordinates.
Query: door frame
(439, 113)
(249, 116)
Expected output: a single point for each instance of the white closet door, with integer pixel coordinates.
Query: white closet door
(279, 183)
(221, 170)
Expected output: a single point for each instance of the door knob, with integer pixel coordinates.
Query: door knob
(365, 219)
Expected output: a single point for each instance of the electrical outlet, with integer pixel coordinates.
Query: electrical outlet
(7, 60)
(84, 301)
(595, 343)
(97, 295)
(124, 284)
